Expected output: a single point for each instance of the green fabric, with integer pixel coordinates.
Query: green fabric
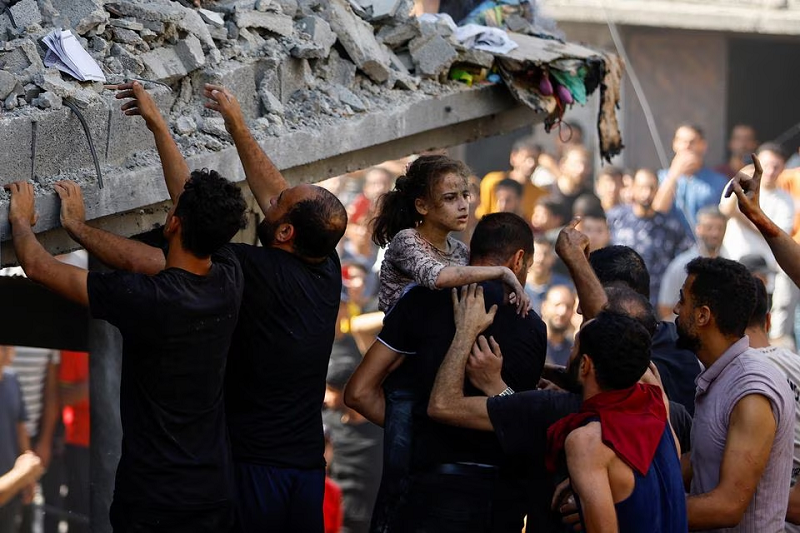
(573, 82)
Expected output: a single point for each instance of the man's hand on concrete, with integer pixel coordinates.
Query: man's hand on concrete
(73, 212)
(23, 206)
(571, 244)
(471, 316)
(746, 184)
(141, 103)
(225, 103)
(484, 366)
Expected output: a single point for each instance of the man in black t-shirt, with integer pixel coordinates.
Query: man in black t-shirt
(175, 471)
(456, 478)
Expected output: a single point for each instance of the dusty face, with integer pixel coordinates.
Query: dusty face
(645, 186)
(710, 231)
(523, 161)
(743, 141)
(449, 207)
(506, 201)
(557, 309)
(772, 164)
(686, 139)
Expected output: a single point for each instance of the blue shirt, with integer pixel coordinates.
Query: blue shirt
(694, 193)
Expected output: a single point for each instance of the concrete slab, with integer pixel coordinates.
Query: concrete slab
(358, 40)
(15, 164)
(26, 13)
(277, 23)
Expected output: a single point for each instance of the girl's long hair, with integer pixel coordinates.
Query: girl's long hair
(397, 210)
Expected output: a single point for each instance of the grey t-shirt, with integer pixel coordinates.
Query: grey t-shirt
(739, 372)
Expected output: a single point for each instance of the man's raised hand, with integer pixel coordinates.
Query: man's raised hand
(746, 185)
(23, 205)
(73, 211)
(572, 243)
(221, 99)
(141, 103)
(469, 312)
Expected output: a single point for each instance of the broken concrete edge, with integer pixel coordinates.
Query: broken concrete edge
(427, 124)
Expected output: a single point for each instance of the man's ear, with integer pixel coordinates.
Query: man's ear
(703, 316)
(517, 261)
(284, 233)
(173, 226)
(586, 365)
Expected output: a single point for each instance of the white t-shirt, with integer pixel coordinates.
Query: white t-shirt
(741, 240)
(789, 364)
(675, 275)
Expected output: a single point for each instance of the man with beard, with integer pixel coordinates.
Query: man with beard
(740, 465)
(657, 237)
(520, 421)
(557, 311)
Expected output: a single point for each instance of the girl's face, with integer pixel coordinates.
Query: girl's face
(449, 206)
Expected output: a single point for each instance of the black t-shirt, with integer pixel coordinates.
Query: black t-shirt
(279, 357)
(520, 422)
(176, 329)
(421, 326)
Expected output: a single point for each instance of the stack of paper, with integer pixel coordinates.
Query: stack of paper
(66, 54)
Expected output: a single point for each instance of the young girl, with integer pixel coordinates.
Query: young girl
(416, 219)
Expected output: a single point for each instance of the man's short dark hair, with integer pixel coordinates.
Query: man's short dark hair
(619, 263)
(611, 170)
(727, 289)
(588, 205)
(710, 211)
(775, 148)
(498, 236)
(694, 127)
(319, 223)
(622, 299)
(211, 210)
(510, 184)
(619, 347)
(527, 143)
(759, 317)
(556, 208)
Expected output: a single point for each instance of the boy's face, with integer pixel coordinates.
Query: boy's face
(523, 161)
(6, 356)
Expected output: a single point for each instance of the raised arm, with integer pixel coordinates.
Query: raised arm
(572, 247)
(746, 186)
(176, 171)
(364, 391)
(67, 280)
(750, 436)
(112, 250)
(683, 164)
(447, 402)
(458, 276)
(263, 177)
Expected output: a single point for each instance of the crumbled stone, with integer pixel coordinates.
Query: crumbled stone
(273, 22)
(7, 83)
(126, 24)
(50, 80)
(48, 101)
(31, 91)
(185, 125)
(26, 13)
(22, 55)
(11, 102)
(357, 38)
(319, 31)
(269, 102)
(215, 126)
(190, 52)
(432, 56)
(347, 97)
(478, 58)
(211, 17)
(121, 35)
(338, 70)
(289, 7)
(399, 35)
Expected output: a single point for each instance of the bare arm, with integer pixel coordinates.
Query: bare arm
(572, 247)
(263, 177)
(112, 250)
(746, 186)
(750, 436)
(23, 439)
(447, 402)
(587, 461)
(364, 391)
(50, 415)
(458, 276)
(27, 469)
(40, 266)
(793, 511)
(176, 171)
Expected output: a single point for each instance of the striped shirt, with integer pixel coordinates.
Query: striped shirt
(30, 366)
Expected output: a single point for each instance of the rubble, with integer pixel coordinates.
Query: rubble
(357, 38)
(432, 55)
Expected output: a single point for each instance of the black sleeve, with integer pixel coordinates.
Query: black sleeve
(121, 297)
(401, 324)
(681, 422)
(521, 420)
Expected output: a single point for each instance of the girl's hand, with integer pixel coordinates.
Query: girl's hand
(518, 297)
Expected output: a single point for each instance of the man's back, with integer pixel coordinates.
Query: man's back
(279, 355)
(176, 328)
(789, 364)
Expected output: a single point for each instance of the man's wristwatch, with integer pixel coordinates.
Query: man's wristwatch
(507, 392)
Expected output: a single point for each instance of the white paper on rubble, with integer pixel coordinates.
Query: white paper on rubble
(65, 52)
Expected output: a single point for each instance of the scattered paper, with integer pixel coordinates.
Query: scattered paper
(492, 40)
(65, 52)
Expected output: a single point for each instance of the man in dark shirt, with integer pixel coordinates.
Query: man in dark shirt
(454, 473)
(678, 367)
(175, 470)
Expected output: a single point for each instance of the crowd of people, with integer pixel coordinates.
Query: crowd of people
(412, 348)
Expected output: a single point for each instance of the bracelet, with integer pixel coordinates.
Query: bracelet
(507, 392)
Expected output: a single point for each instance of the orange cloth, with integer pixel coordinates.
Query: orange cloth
(789, 181)
(530, 195)
(74, 368)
